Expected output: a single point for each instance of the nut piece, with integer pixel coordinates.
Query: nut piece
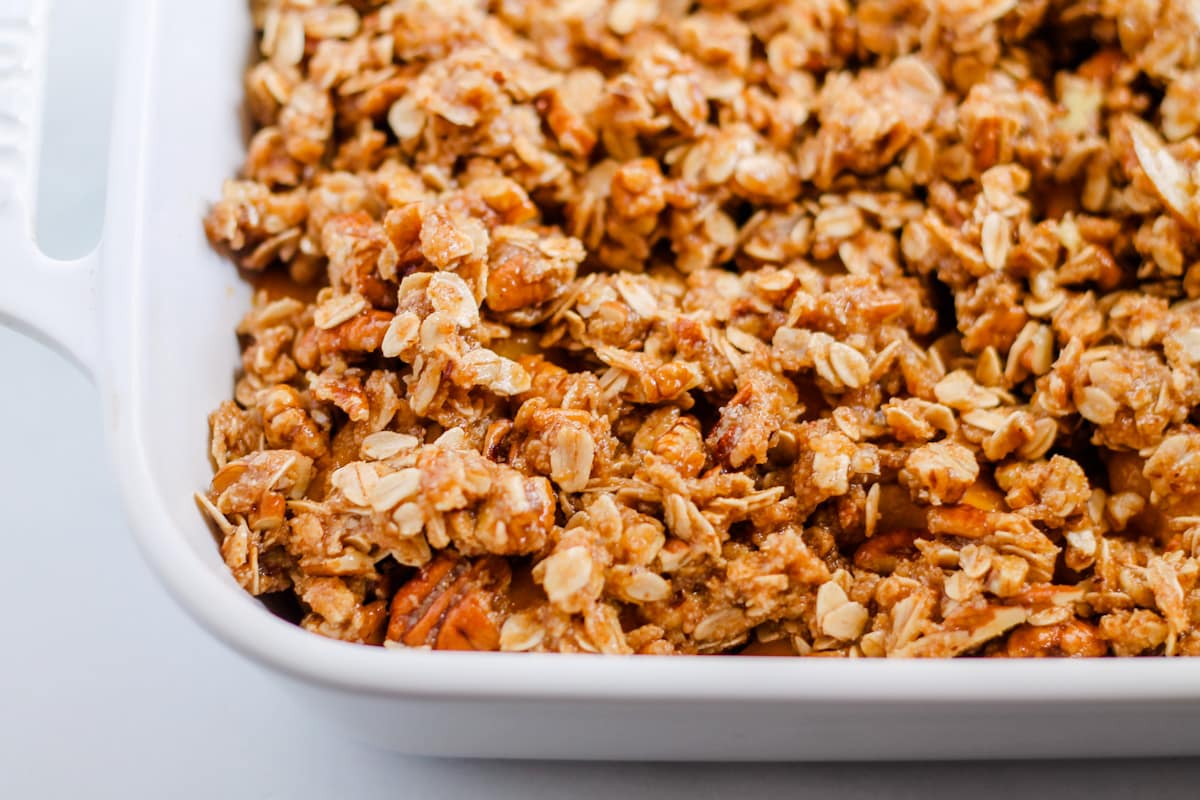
(452, 604)
(1072, 639)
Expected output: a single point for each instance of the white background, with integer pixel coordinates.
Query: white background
(107, 690)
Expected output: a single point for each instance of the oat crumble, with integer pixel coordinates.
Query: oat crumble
(650, 326)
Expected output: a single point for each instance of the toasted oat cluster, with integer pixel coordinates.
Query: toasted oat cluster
(654, 326)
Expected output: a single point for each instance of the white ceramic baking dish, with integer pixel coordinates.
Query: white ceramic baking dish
(150, 317)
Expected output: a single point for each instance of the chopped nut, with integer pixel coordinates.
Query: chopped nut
(452, 604)
(1072, 639)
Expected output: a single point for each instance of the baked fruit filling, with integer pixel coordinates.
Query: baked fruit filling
(654, 326)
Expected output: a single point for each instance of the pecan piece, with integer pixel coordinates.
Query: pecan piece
(1075, 638)
(883, 552)
(452, 604)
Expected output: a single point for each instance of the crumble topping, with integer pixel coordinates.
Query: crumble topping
(652, 326)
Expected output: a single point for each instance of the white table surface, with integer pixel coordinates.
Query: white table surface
(108, 690)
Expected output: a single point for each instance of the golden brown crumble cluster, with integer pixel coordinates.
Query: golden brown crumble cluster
(653, 326)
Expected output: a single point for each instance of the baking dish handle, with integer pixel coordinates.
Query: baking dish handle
(53, 301)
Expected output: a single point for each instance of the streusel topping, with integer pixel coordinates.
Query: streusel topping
(652, 326)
